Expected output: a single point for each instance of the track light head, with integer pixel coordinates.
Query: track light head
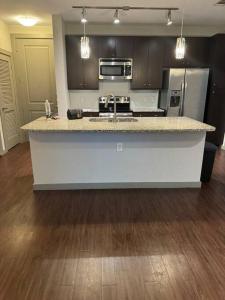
(169, 18)
(116, 19)
(83, 16)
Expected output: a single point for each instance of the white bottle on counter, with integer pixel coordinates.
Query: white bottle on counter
(47, 108)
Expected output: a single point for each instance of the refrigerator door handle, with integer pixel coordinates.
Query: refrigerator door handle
(182, 99)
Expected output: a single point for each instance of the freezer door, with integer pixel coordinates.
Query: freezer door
(196, 83)
(176, 78)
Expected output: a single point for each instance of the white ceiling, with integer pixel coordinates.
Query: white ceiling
(197, 12)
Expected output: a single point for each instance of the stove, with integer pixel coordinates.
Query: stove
(122, 106)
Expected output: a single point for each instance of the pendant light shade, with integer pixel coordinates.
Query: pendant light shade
(85, 48)
(181, 43)
(180, 48)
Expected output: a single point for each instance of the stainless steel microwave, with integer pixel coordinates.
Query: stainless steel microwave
(115, 68)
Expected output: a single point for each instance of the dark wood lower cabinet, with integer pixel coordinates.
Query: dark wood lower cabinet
(149, 114)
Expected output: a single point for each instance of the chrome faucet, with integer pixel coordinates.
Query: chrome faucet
(114, 113)
(108, 97)
(114, 106)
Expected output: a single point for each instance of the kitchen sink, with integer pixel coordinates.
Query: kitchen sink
(100, 119)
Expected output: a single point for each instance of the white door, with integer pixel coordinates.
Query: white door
(9, 116)
(35, 76)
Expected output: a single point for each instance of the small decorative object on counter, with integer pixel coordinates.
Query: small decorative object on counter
(47, 109)
(73, 114)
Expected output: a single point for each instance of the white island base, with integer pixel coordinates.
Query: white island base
(91, 160)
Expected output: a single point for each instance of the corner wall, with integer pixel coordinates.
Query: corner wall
(60, 65)
(5, 42)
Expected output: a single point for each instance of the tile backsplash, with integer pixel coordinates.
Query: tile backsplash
(140, 100)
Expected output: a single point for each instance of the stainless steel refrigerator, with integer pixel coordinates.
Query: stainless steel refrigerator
(184, 92)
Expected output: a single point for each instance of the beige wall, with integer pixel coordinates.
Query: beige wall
(139, 29)
(38, 29)
(5, 42)
(60, 65)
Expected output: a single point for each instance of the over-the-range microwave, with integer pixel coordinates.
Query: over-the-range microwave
(115, 68)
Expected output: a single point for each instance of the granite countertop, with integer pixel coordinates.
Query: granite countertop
(159, 124)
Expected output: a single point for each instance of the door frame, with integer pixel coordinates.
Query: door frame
(10, 55)
(14, 38)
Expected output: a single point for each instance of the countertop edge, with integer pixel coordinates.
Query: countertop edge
(118, 130)
(147, 126)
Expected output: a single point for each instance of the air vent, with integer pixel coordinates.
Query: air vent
(221, 2)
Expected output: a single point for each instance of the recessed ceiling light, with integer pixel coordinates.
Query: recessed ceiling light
(27, 21)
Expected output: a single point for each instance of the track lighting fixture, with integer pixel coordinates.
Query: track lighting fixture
(83, 16)
(169, 18)
(116, 19)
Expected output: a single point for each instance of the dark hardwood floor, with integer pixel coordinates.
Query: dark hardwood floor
(109, 244)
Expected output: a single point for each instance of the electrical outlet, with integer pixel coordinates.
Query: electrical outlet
(119, 147)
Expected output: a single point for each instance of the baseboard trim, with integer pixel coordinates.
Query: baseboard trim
(116, 185)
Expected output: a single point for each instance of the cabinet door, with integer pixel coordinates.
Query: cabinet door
(140, 63)
(197, 52)
(124, 47)
(215, 115)
(217, 60)
(155, 59)
(75, 76)
(107, 47)
(170, 60)
(90, 65)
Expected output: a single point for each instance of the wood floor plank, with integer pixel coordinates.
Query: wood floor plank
(110, 244)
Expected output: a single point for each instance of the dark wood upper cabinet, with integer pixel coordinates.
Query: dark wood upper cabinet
(107, 47)
(169, 60)
(196, 56)
(91, 66)
(197, 52)
(124, 46)
(75, 73)
(116, 46)
(140, 63)
(81, 73)
(155, 60)
(147, 63)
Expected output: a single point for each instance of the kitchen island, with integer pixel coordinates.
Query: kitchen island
(89, 154)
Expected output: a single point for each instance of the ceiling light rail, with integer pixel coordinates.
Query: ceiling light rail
(128, 8)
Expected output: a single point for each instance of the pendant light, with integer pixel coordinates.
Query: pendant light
(84, 46)
(181, 43)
